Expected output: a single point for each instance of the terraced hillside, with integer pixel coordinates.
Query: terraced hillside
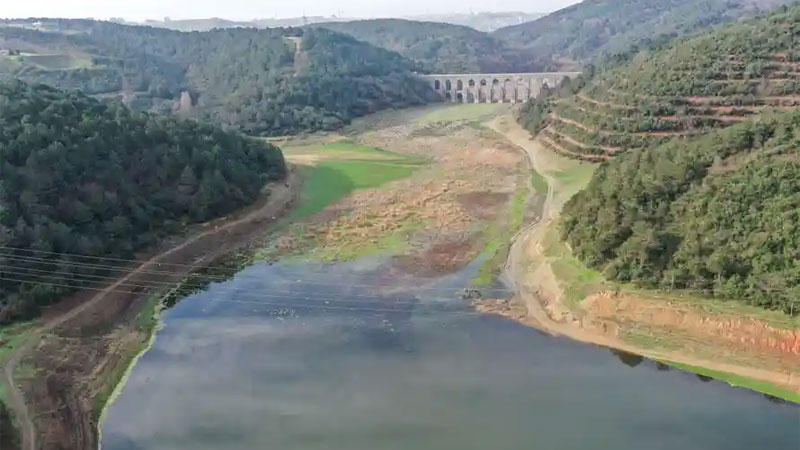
(716, 215)
(696, 85)
(594, 29)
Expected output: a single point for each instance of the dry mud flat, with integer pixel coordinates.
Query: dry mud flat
(439, 218)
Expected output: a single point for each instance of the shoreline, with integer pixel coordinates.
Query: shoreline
(209, 241)
(531, 293)
(120, 386)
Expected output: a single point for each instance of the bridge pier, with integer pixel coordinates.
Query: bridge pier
(494, 88)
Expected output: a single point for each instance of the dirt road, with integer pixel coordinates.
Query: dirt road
(192, 252)
(540, 292)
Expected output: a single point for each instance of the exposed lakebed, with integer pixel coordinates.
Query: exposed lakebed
(360, 356)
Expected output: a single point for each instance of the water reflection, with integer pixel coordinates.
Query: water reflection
(704, 378)
(359, 357)
(629, 359)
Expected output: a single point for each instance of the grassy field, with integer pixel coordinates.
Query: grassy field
(499, 234)
(335, 170)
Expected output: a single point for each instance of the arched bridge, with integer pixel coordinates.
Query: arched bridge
(494, 87)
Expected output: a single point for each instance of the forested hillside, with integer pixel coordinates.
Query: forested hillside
(82, 177)
(435, 47)
(717, 214)
(268, 82)
(695, 85)
(595, 28)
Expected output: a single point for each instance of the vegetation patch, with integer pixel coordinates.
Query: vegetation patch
(764, 387)
(683, 88)
(575, 279)
(344, 168)
(679, 218)
(249, 79)
(499, 234)
(110, 184)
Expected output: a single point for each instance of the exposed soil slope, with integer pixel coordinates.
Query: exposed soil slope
(742, 341)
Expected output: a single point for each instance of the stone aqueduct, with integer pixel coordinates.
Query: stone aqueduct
(494, 87)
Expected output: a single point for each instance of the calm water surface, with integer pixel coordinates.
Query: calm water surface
(347, 356)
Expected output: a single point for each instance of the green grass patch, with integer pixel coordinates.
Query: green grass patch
(148, 317)
(765, 387)
(499, 235)
(577, 280)
(146, 323)
(575, 178)
(13, 336)
(328, 182)
(332, 179)
(393, 243)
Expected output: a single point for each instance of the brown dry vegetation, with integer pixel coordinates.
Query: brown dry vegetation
(437, 219)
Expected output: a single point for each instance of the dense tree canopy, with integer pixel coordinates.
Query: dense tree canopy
(83, 177)
(269, 81)
(687, 88)
(597, 28)
(718, 214)
(436, 47)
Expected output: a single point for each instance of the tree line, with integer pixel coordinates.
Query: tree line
(79, 176)
(715, 215)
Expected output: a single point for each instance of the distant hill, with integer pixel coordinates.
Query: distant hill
(267, 82)
(695, 85)
(209, 24)
(483, 21)
(594, 28)
(434, 46)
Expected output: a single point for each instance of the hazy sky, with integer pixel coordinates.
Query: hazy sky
(251, 9)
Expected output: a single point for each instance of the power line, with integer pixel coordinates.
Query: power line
(244, 292)
(154, 283)
(228, 268)
(277, 304)
(220, 277)
(103, 258)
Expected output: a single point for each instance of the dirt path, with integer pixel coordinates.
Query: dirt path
(281, 195)
(534, 283)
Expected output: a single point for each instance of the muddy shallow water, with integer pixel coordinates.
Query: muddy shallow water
(355, 356)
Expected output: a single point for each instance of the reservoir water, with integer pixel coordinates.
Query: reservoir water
(355, 356)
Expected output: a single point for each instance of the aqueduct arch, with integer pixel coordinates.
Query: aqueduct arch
(494, 87)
